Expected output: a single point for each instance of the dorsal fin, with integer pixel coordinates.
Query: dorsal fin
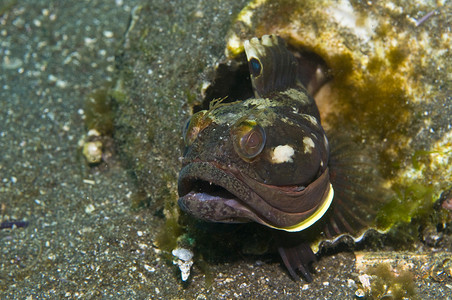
(272, 66)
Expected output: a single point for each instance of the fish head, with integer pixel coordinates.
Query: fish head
(261, 160)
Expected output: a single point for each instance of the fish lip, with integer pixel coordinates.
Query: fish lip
(206, 172)
(228, 207)
(240, 202)
(218, 203)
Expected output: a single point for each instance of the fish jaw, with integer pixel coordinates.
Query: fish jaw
(214, 193)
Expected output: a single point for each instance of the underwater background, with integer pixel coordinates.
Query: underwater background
(93, 98)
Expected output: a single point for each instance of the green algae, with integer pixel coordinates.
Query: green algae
(385, 284)
(396, 56)
(385, 118)
(99, 113)
(169, 234)
(414, 200)
(422, 158)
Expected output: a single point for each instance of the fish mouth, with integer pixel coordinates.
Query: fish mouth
(205, 193)
(215, 193)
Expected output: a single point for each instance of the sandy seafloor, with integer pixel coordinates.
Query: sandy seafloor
(83, 239)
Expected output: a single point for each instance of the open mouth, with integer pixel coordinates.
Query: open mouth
(208, 189)
(210, 193)
(205, 193)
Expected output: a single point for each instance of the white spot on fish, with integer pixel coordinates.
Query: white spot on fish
(308, 144)
(282, 154)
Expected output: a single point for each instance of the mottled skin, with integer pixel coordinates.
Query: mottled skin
(264, 159)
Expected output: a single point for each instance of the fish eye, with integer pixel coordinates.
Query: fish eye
(255, 66)
(194, 126)
(248, 139)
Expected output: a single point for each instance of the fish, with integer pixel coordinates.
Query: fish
(265, 159)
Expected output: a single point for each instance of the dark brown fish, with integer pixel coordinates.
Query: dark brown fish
(266, 159)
